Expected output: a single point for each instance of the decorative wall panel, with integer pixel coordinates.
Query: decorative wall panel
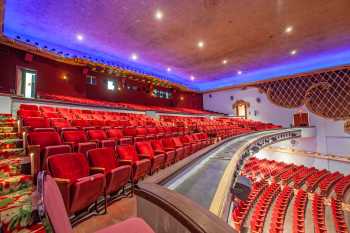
(325, 93)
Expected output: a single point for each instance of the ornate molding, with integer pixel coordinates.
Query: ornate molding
(324, 93)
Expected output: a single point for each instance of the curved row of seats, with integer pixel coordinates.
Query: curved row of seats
(242, 208)
(338, 217)
(318, 214)
(262, 206)
(299, 209)
(279, 210)
(341, 187)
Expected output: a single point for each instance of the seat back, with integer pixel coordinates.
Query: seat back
(96, 134)
(35, 122)
(157, 145)
(103, 157)
(141, 131)
(29, 107)
(52, 115)
(47, 109)
(75, 136)
(130, 132)
(168, 142)
(60, 123)
(145, 148)
(70, 166)
(177, 142)
(114, 133)
(44, 139)
(53, 204)
(28, 113)
(127, 152)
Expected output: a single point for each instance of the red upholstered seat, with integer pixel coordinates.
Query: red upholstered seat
(188, 139)
(118, 136)
(78, 187)
(52, 114)
(49, 143)
(83, 124)
(117, 174)
(131, 132)
(28, 113)
(47, 109)
(56, 212)
(32, 123)
(169, 153)
(29, 107)
(157, 158)
(169, 144)
(100, 137)
(60, 124)
(78, 140)
(141, 165)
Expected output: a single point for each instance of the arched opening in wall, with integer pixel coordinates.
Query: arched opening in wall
(240, 108)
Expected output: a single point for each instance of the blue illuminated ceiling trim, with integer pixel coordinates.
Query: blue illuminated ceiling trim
(320, 61)
(98, 57)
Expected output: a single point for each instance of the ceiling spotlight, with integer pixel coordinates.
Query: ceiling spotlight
(288, 29)
(293, 52)
(239, 72)
(200, 44)
(158, 15)
(168, 69)
(80, 37)
(134, 56)
(192, 78)
(224, 62)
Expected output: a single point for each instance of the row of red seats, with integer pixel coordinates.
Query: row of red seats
(318, 214)
(280, 209)
(300, 178)
(299, 209)
(130, 106)
(262, 207)
(327, 183)
(341, 187)
(51, 142)
(241, 210)
(338, 216)
(313, 181)
(286, 177)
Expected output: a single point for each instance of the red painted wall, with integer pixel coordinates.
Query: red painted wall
(50, 81)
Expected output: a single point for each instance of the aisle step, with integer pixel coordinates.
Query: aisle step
(6, 129)
(11, 153)
(11, 166)
(11, 143)
(10, 184)
(12, 135)
(16, 213)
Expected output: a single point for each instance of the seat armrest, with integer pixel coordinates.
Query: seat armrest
(143, 156)
(64, 186)
(169, 149)
(95, 170)
(125, 162)
(158, 152)
(34, 153)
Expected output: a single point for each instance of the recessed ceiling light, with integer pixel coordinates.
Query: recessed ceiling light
(288, 29)
(224, 61)
(80, 37)
(192, 78)
(158, 15)
(293, 52)
(200, 44)
(239, 72)
(134, 56)
(168, 69)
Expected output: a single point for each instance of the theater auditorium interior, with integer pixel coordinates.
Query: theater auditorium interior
(182, 116)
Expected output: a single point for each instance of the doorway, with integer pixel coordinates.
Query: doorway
(26, 82)
(240, 107)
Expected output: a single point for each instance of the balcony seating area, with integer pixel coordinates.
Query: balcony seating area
(122, 105)
(286, 182)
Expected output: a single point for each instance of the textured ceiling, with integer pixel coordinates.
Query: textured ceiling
(248, 34)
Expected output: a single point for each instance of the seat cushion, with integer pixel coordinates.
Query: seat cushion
(70, 166)
(74, 136)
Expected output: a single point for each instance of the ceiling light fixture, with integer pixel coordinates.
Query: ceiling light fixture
(158, 15)
(200, 44)
(293, 52)
(239, 72)
(224, 61)
(288, 29)
(192, 78)
(80, 37)
(168, 69)
(134, 56)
